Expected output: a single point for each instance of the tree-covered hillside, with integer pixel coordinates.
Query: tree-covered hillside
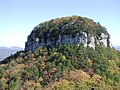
(66, 67)
(69, 25)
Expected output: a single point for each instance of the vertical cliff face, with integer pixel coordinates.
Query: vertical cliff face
(70, 30)
(79, 38)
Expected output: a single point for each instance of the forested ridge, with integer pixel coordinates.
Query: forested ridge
(64, 67)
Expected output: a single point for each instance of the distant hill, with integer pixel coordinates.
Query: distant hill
(117, 48)
(5, 51)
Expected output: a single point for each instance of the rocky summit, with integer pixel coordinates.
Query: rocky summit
(68, 30)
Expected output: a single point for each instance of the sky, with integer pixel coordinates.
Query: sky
(19, 17)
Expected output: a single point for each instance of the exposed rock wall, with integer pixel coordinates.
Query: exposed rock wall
(88, 40)
(68, 30)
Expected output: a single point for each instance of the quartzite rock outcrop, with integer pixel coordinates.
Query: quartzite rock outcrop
(68, 30)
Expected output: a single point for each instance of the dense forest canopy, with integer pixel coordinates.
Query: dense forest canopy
(71, 24)
(69, 65)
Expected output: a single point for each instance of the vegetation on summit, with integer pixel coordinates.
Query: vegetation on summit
(70, 25)
(67, 25)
